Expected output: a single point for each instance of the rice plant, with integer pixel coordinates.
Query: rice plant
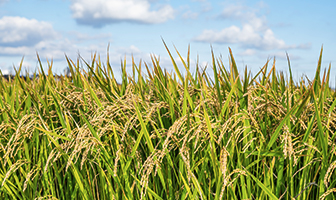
(161, 135)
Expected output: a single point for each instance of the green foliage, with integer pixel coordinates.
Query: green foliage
(155, 136)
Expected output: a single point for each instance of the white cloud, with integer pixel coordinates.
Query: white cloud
(246, 15)
(233, 34)
(24, 37)
(51, 49)
(247, 36)
(56, 51)
(247, 52)
(20, 31)
(83, 37)
(5, 71)
(190, 15)
(254, 32)
(128, 50)
(102, 12)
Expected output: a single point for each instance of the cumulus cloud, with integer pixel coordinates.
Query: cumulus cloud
(20, 36)
(254, 32)
(51, 49)
(5, 71)
(102, 12)
(24, 37)
(23, 32)
(246, 15)
(246, 36)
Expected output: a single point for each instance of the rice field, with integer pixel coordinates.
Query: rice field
(161, 135)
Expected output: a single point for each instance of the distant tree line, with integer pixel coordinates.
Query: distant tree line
(66, 72)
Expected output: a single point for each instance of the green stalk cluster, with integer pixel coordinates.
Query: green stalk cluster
(161, 135)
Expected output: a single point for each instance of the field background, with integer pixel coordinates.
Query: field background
(161, 135)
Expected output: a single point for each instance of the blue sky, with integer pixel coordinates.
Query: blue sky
(255, 31)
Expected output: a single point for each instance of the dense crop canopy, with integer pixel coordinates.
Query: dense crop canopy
(160, 135)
